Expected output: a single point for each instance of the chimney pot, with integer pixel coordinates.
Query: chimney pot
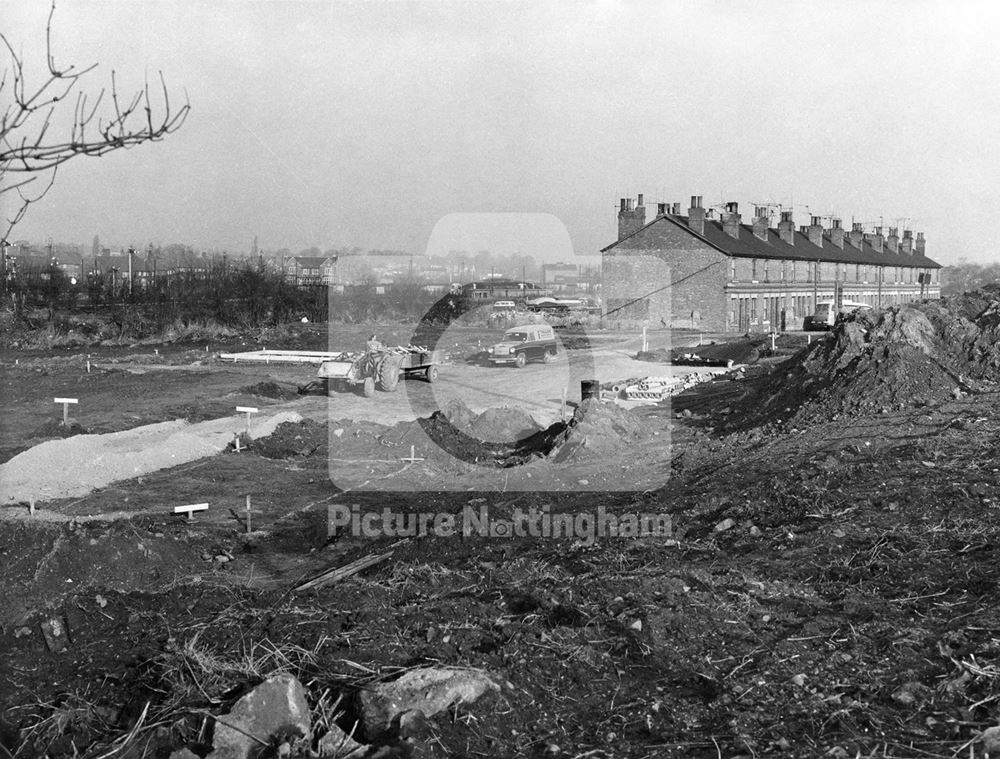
(760, 223)
(661, 209)
(677, 209)
(696, 215)
(837, 234)
(786, 228)
(630, 219)
(640, 200)
(892, 241)
(731, 220)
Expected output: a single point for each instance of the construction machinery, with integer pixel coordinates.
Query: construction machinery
(366, 371)
(380, 369)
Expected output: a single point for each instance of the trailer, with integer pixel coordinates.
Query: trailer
(365, 371)
(380, 369)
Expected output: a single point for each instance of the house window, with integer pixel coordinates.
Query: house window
(766, 277)
(732, 269)
(753, 270)
(857, 272)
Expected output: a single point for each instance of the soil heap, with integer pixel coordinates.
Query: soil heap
(878, 361)
(599, 429)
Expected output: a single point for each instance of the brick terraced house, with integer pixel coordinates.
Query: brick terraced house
(718, 274)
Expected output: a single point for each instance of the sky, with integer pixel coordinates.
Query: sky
(368, 124)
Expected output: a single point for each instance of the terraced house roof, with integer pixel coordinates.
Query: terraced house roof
(749, 245)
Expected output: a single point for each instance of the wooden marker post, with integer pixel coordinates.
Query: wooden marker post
(412, 457)
(645, 343)
(248, 410)
(562, 408)
(248, 515)
(65, 404)
(190, 509)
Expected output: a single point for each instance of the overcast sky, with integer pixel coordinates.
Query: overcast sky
(350, 123)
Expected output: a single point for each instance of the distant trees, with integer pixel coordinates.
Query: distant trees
(46, 125)
(966, 276)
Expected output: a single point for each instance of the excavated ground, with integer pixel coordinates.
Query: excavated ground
(829, 587)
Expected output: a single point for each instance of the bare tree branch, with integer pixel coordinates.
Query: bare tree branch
(34, 113)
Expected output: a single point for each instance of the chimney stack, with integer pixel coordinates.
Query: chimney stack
(892, 241)
(731, 220)
(696, 215)
(877, 241)
(630, 219)
(919, 245)
(815, 231)
(760, 219)
(661, 209)
(786, 228)
(857, 235)
(907, 244)
(837, 234)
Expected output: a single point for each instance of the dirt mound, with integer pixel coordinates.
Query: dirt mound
(266, 389)
(55, 428)
(497, 425)
(600, 429)
(880, 361)
(460, 415)
(292, 439)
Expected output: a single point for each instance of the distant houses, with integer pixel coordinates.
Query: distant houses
(311, 270)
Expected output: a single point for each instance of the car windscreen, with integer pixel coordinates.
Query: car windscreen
(514, 337)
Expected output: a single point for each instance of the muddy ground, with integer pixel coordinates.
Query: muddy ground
(830, 588)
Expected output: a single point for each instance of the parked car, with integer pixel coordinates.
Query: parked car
(826, 314)
(520, 345)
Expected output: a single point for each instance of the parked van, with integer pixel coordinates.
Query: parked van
(504, 305)
(523, 344)
(826, 313)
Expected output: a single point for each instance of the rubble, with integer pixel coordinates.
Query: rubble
(430, 691)
(879, 361)
(275, 707)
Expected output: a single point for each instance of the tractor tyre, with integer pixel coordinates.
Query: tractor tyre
(388, 373)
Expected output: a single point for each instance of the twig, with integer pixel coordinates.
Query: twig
(348, 570)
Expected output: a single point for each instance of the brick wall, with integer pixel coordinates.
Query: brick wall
(666, 273)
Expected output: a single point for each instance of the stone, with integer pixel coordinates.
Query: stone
(910, 693)
(275, 707)
(725, 524)
(430, 690)
(337, 744)
(55, 633)
(184, 753)
(990, 739)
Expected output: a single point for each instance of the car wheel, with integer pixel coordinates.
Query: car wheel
(548, 357)
(432, 373)
(520, 360)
